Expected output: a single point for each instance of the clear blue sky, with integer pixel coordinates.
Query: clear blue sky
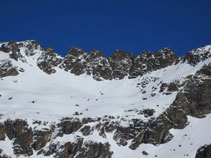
(130, 25)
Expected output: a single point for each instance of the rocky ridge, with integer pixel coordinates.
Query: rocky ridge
(192, 99)
(118, 65)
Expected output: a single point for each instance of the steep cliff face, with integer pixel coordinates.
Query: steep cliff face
(74, 61)
(121, 63)
(197, 55)
(49, 60)
(149, 61)
(85, 105)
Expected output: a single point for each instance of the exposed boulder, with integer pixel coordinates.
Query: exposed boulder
(163, 87)
(86, 130)
(110, 127)
(204, 152)
(147, 112)
(172, 87)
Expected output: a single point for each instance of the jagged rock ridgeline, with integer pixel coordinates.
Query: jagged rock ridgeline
(118, 65)
(14, 50)
(149, 61)
(93, 63)
(50, 107)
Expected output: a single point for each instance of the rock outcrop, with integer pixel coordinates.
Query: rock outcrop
(74, 61)
(72, 137)
(93, 63)
(195, 99)
(118, 65)
(204, 152)
(48, 61)
(26, 139)
(121, 62)
(7, 69)
(149, 61)
(195, 56)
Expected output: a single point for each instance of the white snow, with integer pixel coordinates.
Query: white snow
(39, 96)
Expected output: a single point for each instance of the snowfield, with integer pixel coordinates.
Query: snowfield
(35, 95)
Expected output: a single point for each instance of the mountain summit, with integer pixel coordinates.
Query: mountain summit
(85, 105)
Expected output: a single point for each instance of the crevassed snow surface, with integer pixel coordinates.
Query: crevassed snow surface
(35, 95)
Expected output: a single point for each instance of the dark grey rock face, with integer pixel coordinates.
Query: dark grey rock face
(149, 61)
(7, 69)
(98, 66)
(68, 126)
(13, 48)
(74, 61)
(95, 150)
(195, 56)
(204, 152)
(48, 61)
(155, 131)
(41, 138)
(93, 63)
(121, 62)
(26, 140)
(195, 98)
(22, 135)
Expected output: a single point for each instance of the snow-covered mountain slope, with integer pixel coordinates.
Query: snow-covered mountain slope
(85, 105)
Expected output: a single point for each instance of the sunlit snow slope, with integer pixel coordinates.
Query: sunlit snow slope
(35, 95)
